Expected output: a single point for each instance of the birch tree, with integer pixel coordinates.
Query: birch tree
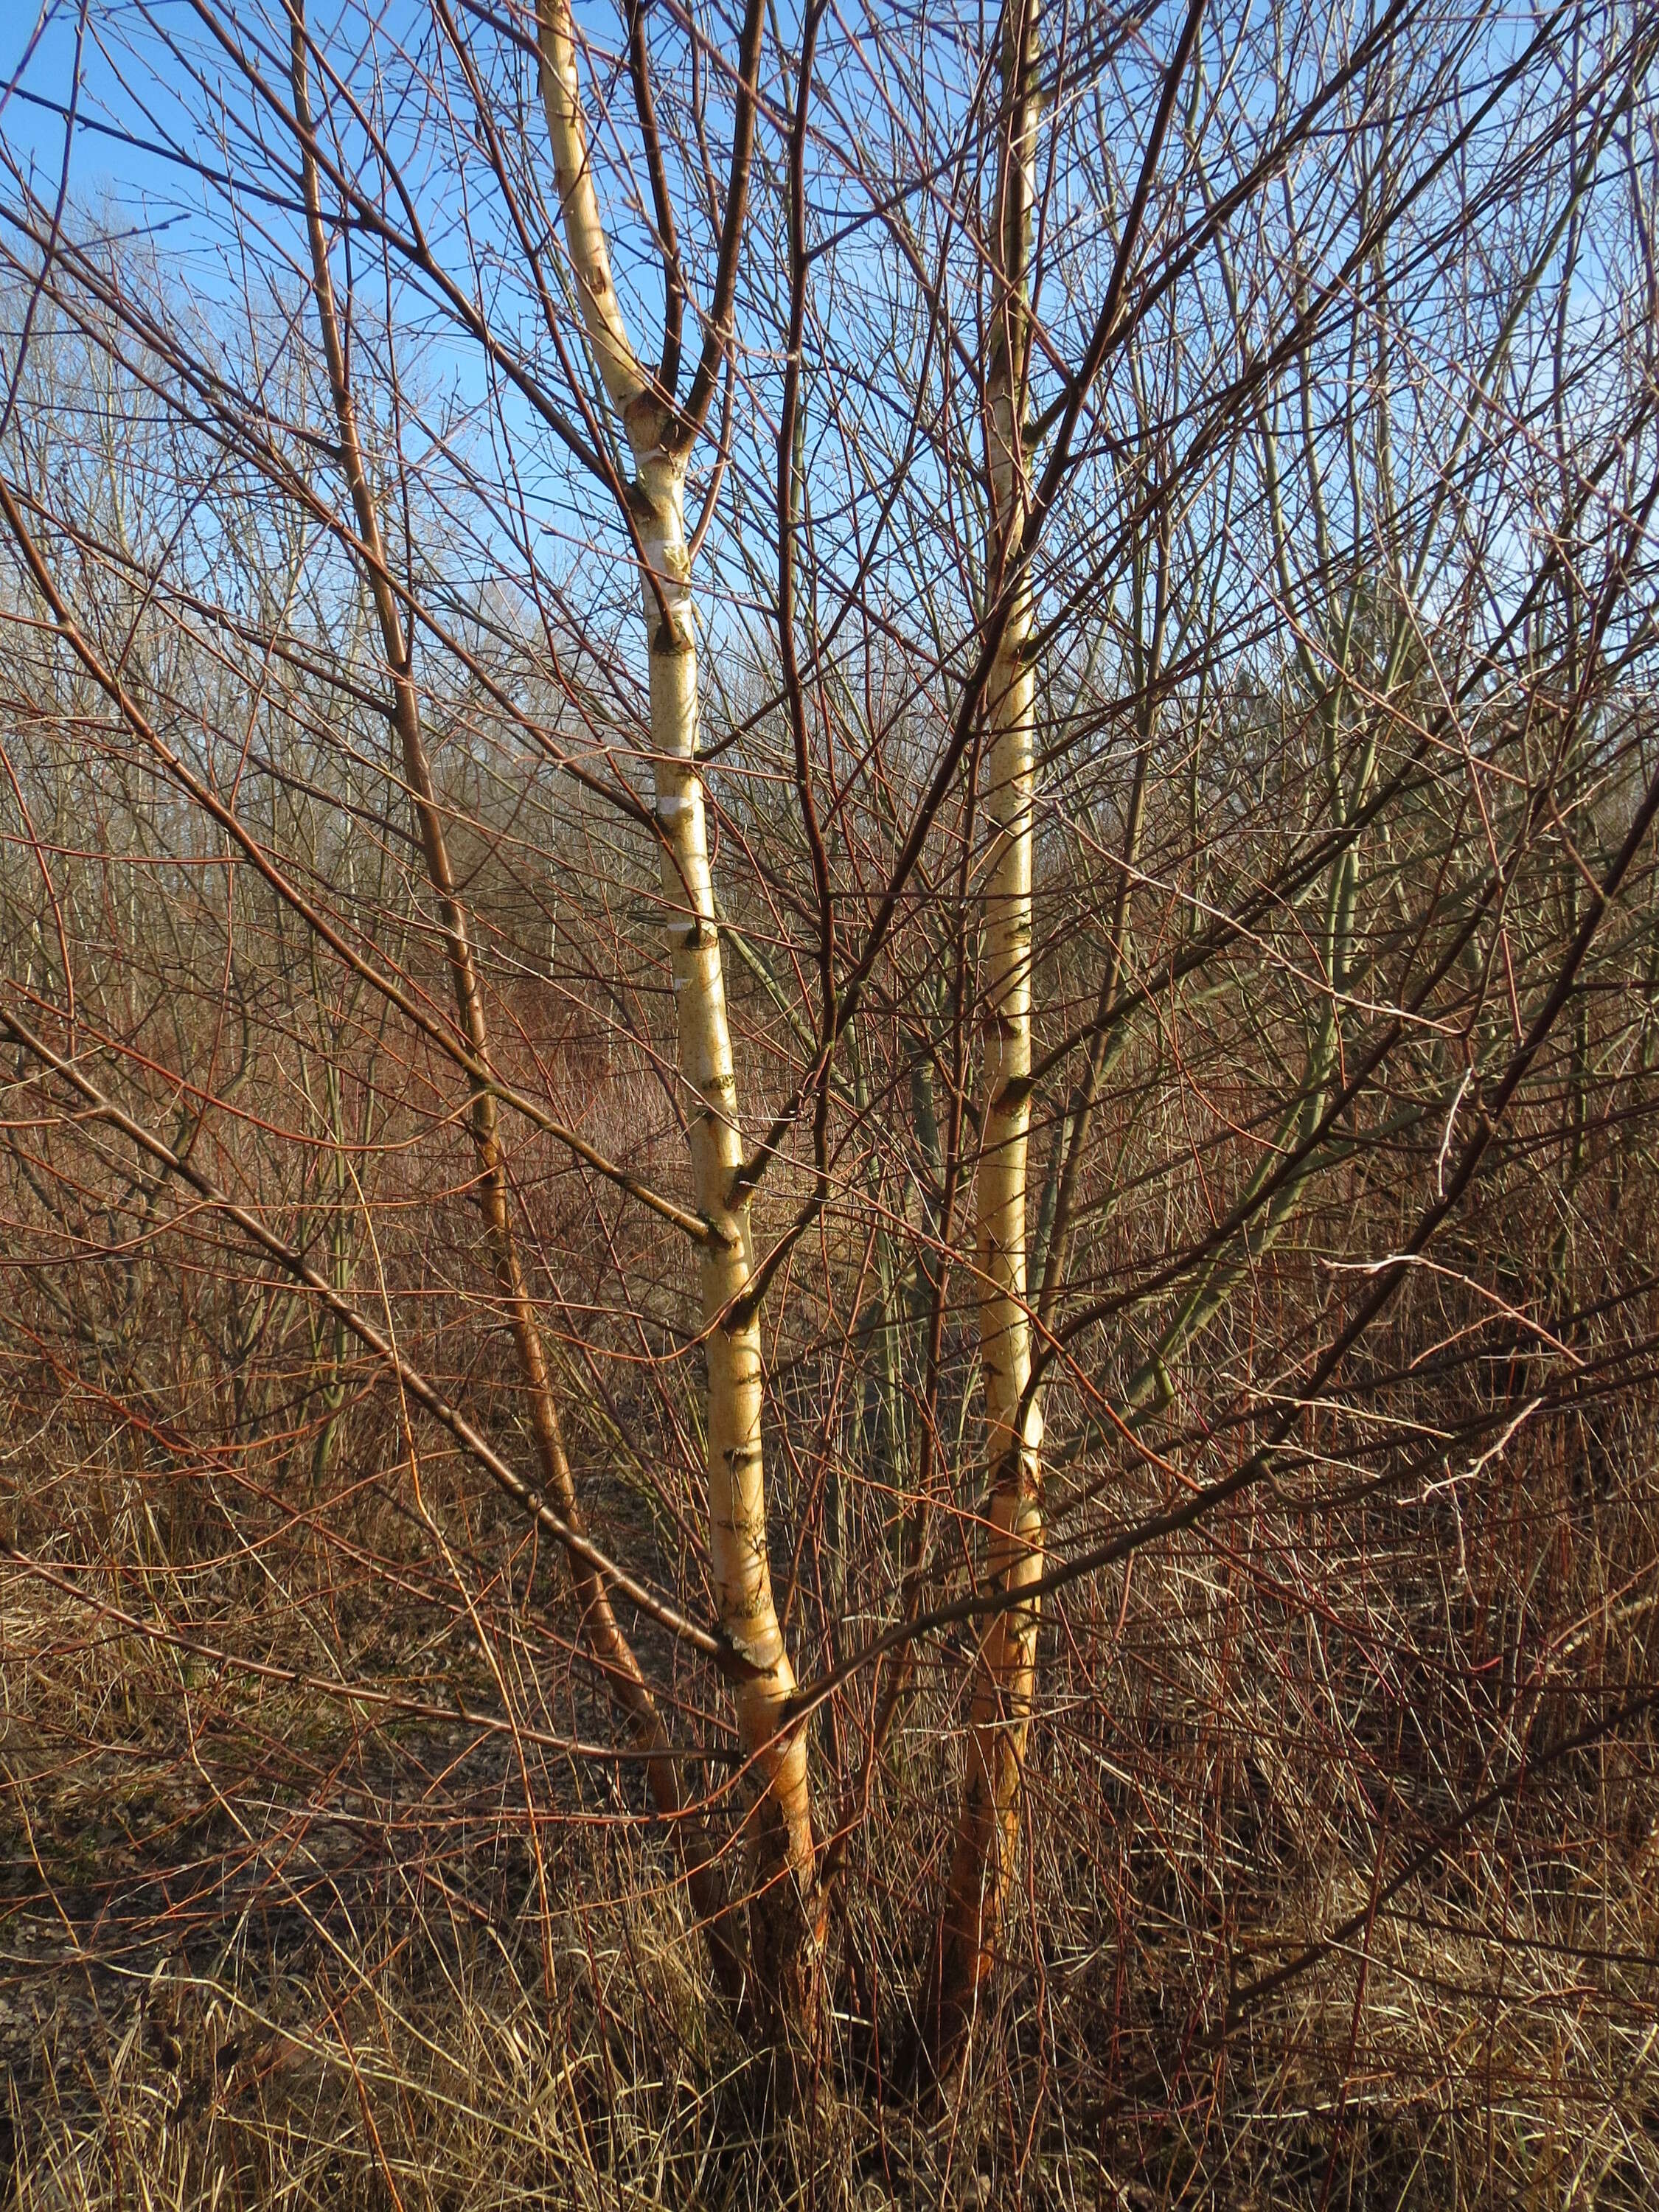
(915, 752)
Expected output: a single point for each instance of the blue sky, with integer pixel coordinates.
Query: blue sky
(136, 97)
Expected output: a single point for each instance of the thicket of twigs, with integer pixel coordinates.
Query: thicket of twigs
(334, 1869)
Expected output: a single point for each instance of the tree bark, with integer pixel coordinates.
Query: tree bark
(785, 1920)
(987, 1825)
(601, 1633)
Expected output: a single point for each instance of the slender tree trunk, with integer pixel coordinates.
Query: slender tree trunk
(783, 1940)
(785, 1918)
(987, 1825)
(601, 1633)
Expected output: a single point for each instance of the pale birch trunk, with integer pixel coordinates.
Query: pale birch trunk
(783, 1918)
(988, 1827)
(601, 1633)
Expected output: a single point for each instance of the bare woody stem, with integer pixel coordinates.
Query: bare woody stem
(601, 1633)
(987, 1822)
(785, 1920)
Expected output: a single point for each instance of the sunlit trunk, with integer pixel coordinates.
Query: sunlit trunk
(601, 1633)
(988, 1827)
(782, 1818)
(783, 1913)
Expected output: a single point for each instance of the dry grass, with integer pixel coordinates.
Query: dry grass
(262, 1950)
(263, 1945)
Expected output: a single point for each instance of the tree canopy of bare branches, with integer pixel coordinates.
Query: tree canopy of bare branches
(828, 1012)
